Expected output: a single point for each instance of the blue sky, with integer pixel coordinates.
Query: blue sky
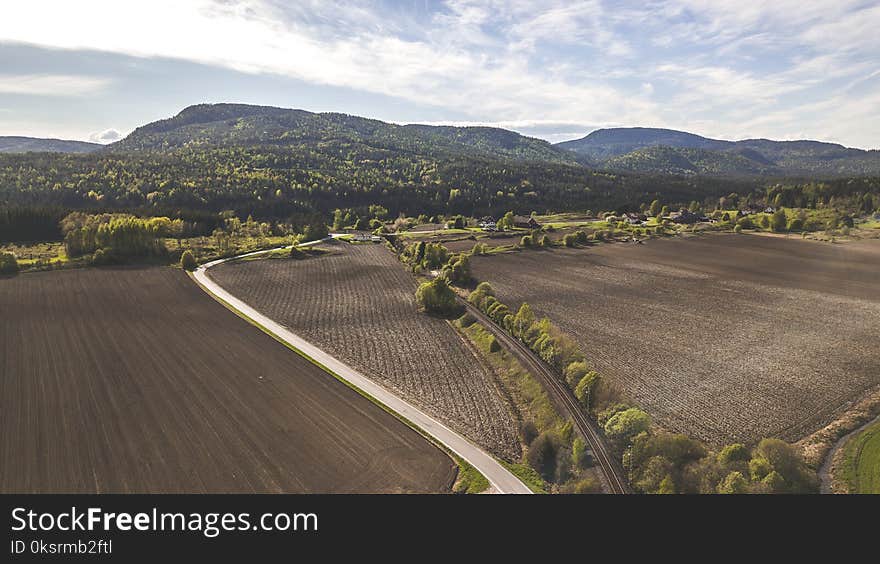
(787, 69)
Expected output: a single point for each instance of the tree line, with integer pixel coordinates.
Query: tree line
(657, 461)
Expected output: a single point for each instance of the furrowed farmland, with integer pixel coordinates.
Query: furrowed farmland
(132, 380)
(723, 337)
(356, 302)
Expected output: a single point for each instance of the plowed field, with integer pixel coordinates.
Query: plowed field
(725, 337)
(357, 303)
(135, 380)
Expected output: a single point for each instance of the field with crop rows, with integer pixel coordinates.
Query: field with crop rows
(135, 380)
(357, 303)
(725, 337)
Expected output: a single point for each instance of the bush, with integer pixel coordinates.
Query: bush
(188, 260)
(437, 297)
(315, 232)
(570, 240)
(546, 241)
(587, 485)
(796, 224)
(580, 455)
(574, 372)
(466, 320)
(774, 455)
(764, 222)
(625, 425)
(8, 263)
(581, 237)
(778, 221)
(459, 271)
(528, 431)
(759, 468)
(746, 223)
(541, 456)
(738, 229)
(296, 253)
(434, 255)
(526, 241)
(733, 483)
(733, 453)
(100, 257)
(584, 389)
(494, 346)
(479, 297)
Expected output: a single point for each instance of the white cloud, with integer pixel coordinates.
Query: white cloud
(106, 136)
(51, 84)
(716, 64)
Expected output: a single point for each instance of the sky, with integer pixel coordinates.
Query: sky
(732, 69)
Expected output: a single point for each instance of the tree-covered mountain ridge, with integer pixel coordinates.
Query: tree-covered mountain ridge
(18, 144)
(242, 125)
(668, 151)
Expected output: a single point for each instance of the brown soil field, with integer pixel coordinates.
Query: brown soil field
(357, 303)
(136, 381)
(725, 337)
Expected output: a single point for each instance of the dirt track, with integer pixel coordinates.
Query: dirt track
(721, 336)
(134, 380)
(357, 303)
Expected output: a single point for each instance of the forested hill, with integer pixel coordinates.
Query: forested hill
(666, 151)
(240, 125)
(36, 145)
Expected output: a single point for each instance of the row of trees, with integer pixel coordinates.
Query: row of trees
(118, 235)
(657, 461)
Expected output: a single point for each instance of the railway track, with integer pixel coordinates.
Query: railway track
(612, 471)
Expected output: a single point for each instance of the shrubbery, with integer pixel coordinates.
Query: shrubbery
(8, 263)
(188, 260)
(458, 271)
(117, 235)
(626, 424)
(437, 297)
(315, 232)
(657, 461)
(778, 221)
(542, 456)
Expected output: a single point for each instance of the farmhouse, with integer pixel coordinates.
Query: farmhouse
(525, 222)
(686, 217)
(635, 219)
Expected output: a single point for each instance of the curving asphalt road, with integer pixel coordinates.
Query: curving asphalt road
(501, 480)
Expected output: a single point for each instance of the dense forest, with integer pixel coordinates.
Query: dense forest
(293, 167)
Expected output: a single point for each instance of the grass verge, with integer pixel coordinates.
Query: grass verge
(861, 461)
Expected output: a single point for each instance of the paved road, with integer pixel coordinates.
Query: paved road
(615, 478)
(499, 477)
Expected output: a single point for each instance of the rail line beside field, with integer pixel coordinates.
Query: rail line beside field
(501, 479)
(562, 397)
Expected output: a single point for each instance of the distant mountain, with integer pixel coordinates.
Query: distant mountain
(650, 150)
(35, 145)
(606, 143)
(224, 125)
